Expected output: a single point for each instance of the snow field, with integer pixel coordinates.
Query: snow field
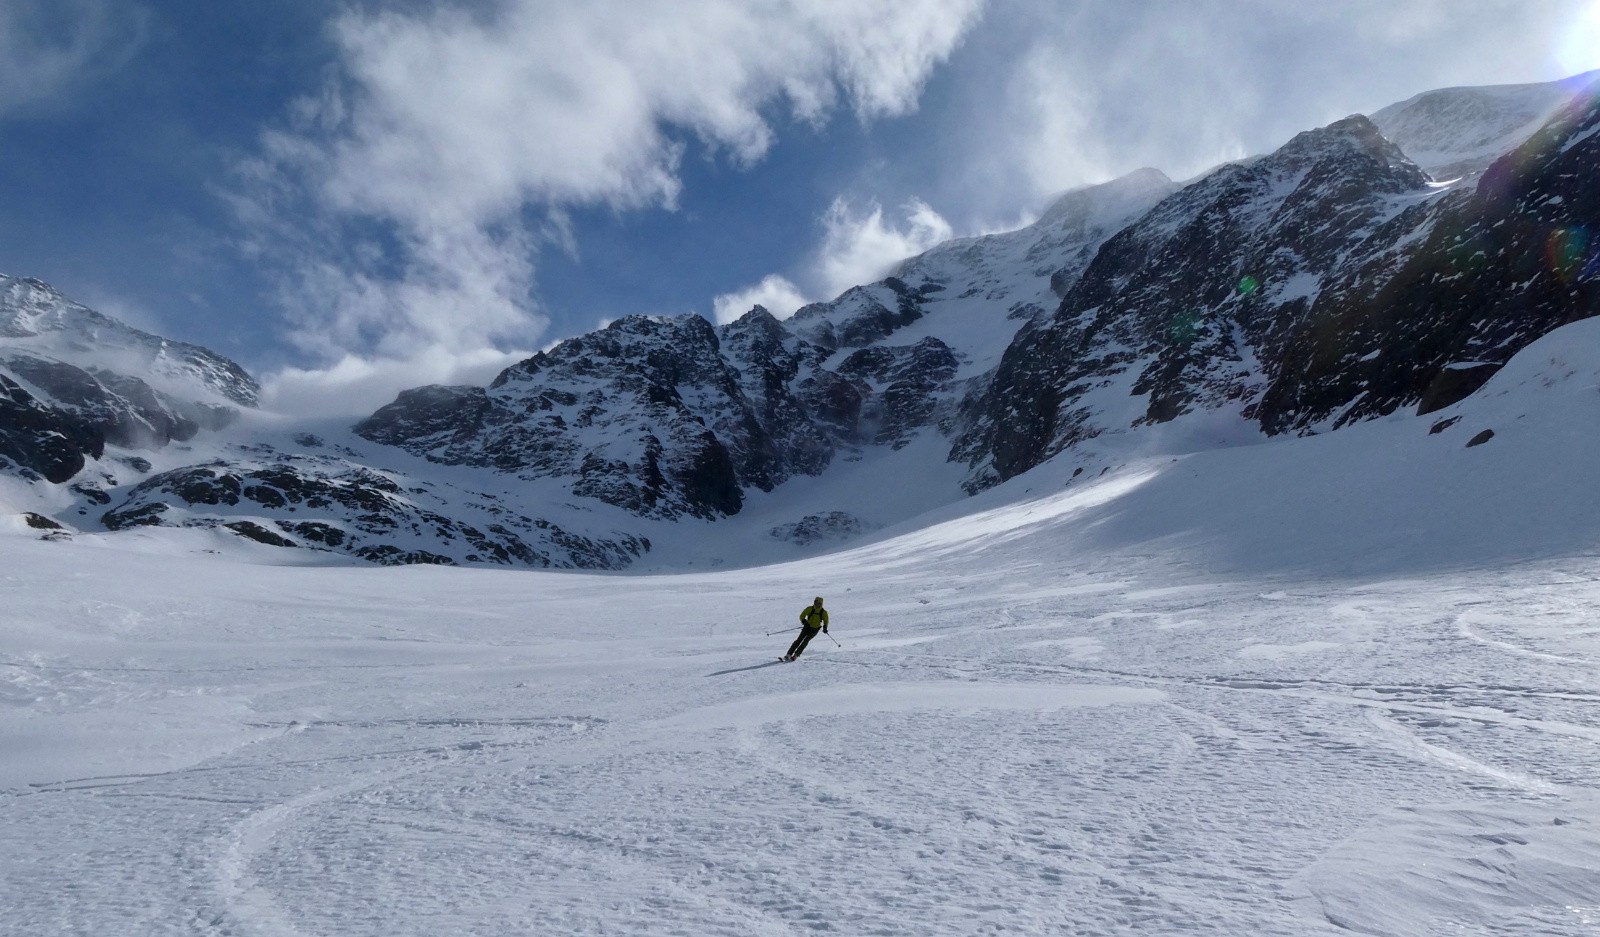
(1020, 745)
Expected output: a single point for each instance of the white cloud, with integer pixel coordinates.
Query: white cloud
(356, 385)
(406, 204)
(1096, 96)
(1061, 149)
(1054, 95)
(124, 310)
(50, 49)
(861, 246)
(776, 293)
(858, 246)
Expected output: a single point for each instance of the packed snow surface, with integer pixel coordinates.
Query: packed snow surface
(1345, 684)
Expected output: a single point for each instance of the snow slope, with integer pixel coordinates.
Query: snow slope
(1455, 133)
(1314, 686)
(38, 321)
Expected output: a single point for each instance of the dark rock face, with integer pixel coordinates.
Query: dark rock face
(250, 530)
(903, 384)
(1454, 384)
(1481, 438)
(800, 425)
(1324, 284)
(671, 417)
(1177, 304)
(124, 411)
(332, 504)
(40, 522)
(1497, 270)
(387, 554)
(144, 515)
(36, 438)
(94, 494)
(645, 415)
(431, 417)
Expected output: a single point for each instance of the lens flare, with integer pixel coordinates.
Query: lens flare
(1184, 327)
(1569, 253)
(1579, 45)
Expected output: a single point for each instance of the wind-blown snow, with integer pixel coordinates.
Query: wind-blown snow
(1017, 273)
(1457, 132)
(1311, 687)
(36, 319)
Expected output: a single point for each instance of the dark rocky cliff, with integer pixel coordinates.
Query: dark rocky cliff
(1327, 283)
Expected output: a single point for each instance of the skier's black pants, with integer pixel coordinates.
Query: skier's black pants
(806, 634)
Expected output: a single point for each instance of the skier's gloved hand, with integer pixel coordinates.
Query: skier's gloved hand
(824, 629)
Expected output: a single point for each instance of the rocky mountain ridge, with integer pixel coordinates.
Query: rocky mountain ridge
(1333, 280)
(1179, 310)
(672, 417)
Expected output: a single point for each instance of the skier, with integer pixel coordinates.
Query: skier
(813, 619)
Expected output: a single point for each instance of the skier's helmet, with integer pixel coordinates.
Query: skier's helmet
(817, 600)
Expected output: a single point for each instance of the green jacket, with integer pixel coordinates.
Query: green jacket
(814, 617)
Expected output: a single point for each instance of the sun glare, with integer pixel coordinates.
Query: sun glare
(1578, 49)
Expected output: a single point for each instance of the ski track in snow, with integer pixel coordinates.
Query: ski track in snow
(1118, 749)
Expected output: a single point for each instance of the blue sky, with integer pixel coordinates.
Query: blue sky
(354, 197)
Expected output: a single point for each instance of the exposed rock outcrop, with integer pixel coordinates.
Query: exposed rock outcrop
(1512, 260)
(1177, 311)
(332, 504)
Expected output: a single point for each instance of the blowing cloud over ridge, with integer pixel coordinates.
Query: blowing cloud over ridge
(438, 163)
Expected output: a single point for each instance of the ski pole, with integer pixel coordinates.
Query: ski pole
(834, 640)
(784, 631)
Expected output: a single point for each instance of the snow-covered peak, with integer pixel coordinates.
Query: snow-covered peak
(1355, 135)
(38, 320)
(1121, 197)
(1458, 132)
(975, 293)
(1075, 223)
